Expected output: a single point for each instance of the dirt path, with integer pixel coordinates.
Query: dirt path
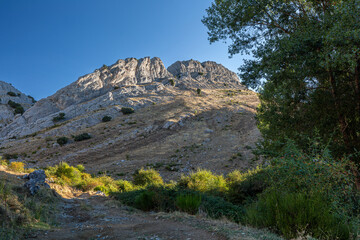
(97, 217)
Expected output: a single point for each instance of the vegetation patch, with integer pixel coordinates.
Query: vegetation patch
(106, 119)
(127, 110)
(60, 117)
(82, 137)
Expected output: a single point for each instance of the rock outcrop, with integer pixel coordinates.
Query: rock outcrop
(10, 93)
(208, 74)
(109, 88)
(36, 180)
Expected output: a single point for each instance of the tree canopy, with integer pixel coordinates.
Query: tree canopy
(306, 66)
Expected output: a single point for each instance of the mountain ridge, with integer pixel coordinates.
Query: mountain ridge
(111, 84)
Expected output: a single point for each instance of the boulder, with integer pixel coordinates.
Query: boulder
(36, 180)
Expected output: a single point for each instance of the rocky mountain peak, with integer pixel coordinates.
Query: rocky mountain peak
(108, 88)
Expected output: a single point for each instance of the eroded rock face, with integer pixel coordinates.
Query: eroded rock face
(10, 93)
(208, 74)
(109, 88)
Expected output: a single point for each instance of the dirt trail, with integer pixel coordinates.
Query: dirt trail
(97, 217)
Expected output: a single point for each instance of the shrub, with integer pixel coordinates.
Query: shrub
(198, 91)
(217, 207)
(4, 162)
(201, 73)
(82, 137)
(16, 166)
(81, 168)
(127, 110)
(246, 186)
(18, 108)
(189, 203)
(12, 94)
(172, 82)
(124, 186)
(317, 172)
(144, 177)
(145, 201)
(106, 119)
(204, 181)
(68, 174)
(60, 117)
(294, 213)
(62, 141)
(9, 156)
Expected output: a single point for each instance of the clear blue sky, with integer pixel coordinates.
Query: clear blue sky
(47, 44)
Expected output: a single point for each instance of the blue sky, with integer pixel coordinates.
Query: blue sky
(47, 44)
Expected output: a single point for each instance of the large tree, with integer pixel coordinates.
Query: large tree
(306, 65)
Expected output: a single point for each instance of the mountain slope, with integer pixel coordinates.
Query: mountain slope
(174, 128)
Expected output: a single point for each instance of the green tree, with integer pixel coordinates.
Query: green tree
(306, 66)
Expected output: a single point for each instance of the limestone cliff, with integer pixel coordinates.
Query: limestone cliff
(109, 88)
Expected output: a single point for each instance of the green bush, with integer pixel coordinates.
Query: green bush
(60, 117)
(18, 108)
(201, 73)
(81, 168)
(295, 213)
(144, 177)
(246, 186)
(12, 94)
(82, 137)
(317, 172)
(106, 119)
(70, 175)
(124, 186)
(172, 82)
(189, 203)
(160, 198)
(198, 91)
(145, 201)
(127, 110)
(204, 181)
(62, 141)
(217, 207)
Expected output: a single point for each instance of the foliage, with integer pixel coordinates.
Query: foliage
(295, 213)
(124, 186)
(145, 201)
(19, 212)
(189, 203)
(4, 162)
(127, 110)
(144, 177)
(12, 94)
(18, 108)
(9, 156)
(198, 91)
(308, 54)
(316, 172)
(82, 137)
(106, 119)
(247, 185)
(204, 181)
(59, 117)
(16, 166)
(163, 198)
(62, 141)
(172, 82)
